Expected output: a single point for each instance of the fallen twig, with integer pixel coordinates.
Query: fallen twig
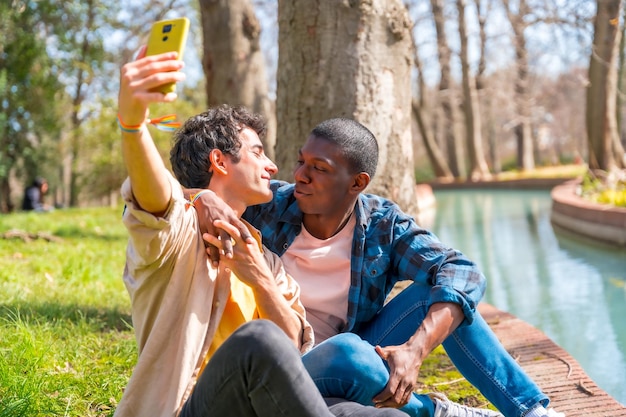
(28, 237)
(584, 389)
(569, 365)
(454, 381)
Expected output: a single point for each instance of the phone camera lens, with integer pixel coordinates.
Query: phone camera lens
(167, 28)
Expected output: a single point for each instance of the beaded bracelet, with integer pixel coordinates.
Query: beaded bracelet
(166, 123)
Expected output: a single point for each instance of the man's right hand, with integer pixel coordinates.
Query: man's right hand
(138, 78)
(210, 208)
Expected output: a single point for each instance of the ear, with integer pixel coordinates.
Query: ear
(360, 183)
(218, 162)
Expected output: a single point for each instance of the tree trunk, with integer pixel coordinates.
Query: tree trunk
(447, 95)
(348, 59)
(436, 158)
(435, 155)
(523, 131)
(6, 204)
(483, 10)
(233, 62)
(494, 147)
(602, 90)
(618, 147)
(478, 169)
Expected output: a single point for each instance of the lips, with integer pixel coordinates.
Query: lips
(299, 193)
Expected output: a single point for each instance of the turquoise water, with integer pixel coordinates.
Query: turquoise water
(573, 290)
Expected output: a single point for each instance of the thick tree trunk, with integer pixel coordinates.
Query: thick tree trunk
(447, 96)
(233, 62)
(601, 93)
(348, 59)
(478, 169)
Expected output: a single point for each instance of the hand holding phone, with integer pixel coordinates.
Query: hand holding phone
(167, 36)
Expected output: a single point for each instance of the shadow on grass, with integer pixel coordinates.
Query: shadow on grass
(103, 320)
(78, 232)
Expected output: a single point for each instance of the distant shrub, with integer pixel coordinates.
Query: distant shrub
(605, 187)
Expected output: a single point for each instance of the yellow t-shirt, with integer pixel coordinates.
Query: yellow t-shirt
(240, 308)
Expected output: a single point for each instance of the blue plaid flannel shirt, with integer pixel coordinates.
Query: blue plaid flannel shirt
(388, 247)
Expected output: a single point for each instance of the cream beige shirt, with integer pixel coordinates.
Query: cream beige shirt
(177, 302)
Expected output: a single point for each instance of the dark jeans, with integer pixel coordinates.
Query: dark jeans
(258, 372)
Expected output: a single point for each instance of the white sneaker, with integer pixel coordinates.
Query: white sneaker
(446, 408)
(553, 413)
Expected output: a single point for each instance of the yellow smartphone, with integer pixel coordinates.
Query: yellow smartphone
(166, 36)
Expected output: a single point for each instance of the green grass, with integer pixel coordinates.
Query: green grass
(66, 344)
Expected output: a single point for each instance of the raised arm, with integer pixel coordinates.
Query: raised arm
(145, 166)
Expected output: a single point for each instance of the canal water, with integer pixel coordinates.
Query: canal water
(572, 289)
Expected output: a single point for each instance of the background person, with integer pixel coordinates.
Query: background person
(34, 196)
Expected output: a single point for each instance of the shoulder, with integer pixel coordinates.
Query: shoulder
(377, 207)
(281, 189)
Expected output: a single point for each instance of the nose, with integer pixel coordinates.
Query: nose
(271, 167)
(299, 173)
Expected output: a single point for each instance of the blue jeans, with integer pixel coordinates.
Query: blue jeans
(473, 348)
(257, 372)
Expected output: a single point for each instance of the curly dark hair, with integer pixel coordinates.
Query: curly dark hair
(216, 128)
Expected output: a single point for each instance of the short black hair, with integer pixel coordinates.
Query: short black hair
(216, 128)
(358, 145)
(39, 182)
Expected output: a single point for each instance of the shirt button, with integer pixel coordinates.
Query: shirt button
(285, 246)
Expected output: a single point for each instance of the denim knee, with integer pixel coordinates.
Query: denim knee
(346, 354)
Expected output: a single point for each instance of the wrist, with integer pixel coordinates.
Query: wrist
(194, 197)
(129, 128)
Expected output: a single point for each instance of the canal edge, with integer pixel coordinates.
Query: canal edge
(558, 374)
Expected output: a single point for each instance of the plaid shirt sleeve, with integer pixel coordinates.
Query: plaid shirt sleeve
(389, 247)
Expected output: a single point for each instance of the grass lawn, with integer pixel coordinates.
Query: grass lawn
(67, 347)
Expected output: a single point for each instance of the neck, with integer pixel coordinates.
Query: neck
(322, 227)
(237, 205)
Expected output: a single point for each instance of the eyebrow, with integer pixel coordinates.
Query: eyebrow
(318, 159)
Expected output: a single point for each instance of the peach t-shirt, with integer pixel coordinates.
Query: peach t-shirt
(322, 269)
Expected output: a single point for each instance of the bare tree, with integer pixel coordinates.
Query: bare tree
(618, 146)
(233, 62)
(478, 169)
(483, 11)
(435, 155)
(447, 96)
(523, 129)
(348, 59)
(601, 118)
(424, 110)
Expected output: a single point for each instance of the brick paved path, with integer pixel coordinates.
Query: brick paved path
(558, 374)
